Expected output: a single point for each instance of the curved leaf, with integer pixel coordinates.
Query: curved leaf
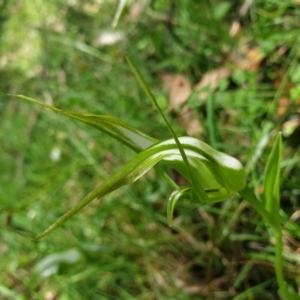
(226, 171)
(172, 202)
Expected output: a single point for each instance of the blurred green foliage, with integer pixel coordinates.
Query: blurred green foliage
(122, 248)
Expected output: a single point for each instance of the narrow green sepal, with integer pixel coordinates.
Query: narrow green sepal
(172, 202)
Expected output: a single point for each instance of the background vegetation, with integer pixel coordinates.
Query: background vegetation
(226, 72)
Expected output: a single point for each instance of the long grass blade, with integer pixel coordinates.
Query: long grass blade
(112, 126)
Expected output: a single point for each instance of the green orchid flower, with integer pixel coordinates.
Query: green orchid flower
(213, 176)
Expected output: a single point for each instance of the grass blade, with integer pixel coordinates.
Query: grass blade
(36, 102)
(272, 205)
(112, 126)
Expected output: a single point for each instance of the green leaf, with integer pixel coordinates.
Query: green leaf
(269, 208)
(272, 181)
(172, 202)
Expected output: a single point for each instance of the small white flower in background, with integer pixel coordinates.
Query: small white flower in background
(55, 154)
(107, 38)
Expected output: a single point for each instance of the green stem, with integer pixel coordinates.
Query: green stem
(248, 195)
(278, 257)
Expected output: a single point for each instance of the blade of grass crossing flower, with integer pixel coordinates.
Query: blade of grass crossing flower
(114, 127)
(148, 92)
(272, 181)
(172, 202)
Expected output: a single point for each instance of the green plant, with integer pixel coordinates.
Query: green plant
(213, 176)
